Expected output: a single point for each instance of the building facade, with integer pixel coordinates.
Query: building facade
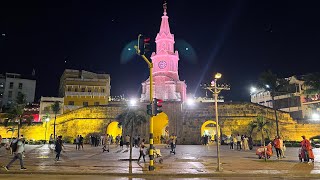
(45, 109)
(12, 84)
(166, 83)
(83, 88)
(294, 100)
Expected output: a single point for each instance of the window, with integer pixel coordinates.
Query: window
(85, 103)
(69, 88)
(96, 103)
(19, 93)
(71, 103)
(76, 90)
(20, 85)
(89, 90)
(10, 94)
(11, 85)
(83, 89)
(102, 90)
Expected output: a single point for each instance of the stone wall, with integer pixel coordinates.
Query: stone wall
(184, 121)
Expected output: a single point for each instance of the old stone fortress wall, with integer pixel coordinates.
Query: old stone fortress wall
(186, 122)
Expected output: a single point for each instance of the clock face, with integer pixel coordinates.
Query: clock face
(162, 64)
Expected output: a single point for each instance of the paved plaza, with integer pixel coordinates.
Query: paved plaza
(189, 161)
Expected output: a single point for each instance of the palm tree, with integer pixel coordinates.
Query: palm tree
(272, 83)
(262, 126)
(56, 109)
(129, 119)
(12, 129)
(16, 111)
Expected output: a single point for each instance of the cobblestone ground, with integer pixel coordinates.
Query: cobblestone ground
(189, 160)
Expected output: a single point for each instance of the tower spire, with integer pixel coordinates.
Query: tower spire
(165, 7)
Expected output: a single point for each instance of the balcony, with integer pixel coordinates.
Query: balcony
(85, 94)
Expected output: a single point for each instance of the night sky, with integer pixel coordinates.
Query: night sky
(240, 39)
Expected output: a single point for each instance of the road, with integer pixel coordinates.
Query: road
(189, 161)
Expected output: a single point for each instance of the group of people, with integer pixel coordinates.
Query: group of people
(241, 142)
(78, 141)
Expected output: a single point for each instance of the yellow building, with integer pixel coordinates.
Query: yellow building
(84, 88)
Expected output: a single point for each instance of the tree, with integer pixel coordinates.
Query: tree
(17, 109)
(56, 109)
(312, 83)
(262, 126)
(29, 119)
(272, 83)
(129, 119)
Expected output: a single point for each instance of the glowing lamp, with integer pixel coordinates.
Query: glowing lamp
(315, 116)
(190, 102)
(253, 89)
(218, 76)
(133, 102)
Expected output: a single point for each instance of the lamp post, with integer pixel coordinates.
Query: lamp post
(216, 89)
(150, 65)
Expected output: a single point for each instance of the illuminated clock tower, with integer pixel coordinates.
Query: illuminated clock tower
(166, 83)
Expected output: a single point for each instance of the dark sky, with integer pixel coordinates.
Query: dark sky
(238, 38)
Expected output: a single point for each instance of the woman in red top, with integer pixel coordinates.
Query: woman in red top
(306, 150)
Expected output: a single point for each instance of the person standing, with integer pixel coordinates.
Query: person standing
(121, 143)
(276, 144)
(81, 142)
(58, 147)
(127, 141)
(282, 147)
(231, 142)
(234, 142)
(77, 143)
(173, 140)
(238, 142)
(306, 150)
(245, 143)
(107, 143)
(18, 154)
(142, 151)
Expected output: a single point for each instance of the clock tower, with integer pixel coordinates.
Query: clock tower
(166, 83)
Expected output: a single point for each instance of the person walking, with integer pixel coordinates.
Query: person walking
(234, 142)
(18, 149)
(142, 151)
(58, 147)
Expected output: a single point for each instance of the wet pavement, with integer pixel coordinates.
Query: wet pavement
(189, 161)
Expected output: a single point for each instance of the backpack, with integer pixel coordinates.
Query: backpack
(14, 145)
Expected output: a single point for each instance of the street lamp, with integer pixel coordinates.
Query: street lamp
(216, 89)
(133, 102)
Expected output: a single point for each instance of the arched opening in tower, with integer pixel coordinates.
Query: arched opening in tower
(160, 127)
(114, 130)
(208, 131)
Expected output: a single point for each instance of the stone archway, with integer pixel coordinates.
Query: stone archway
(209, 128)
(114, 130)
(160, 127)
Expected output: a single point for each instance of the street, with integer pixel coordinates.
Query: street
(194, 161)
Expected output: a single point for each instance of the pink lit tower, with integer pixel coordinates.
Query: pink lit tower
(166, 83)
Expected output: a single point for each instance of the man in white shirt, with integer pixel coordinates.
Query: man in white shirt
(17, 154)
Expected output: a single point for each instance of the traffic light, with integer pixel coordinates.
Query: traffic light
(156, 105)
(149, 109)
(146, 44)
